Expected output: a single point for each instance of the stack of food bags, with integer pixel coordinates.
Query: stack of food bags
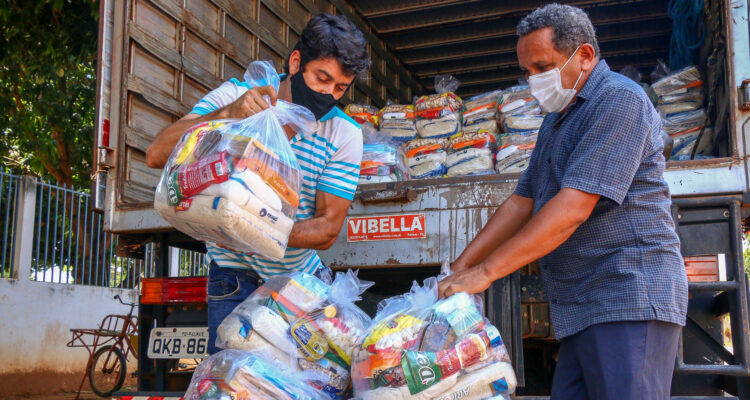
(480, 113)
(236, 182)
(303, 323)
(425, 158)
(439, 115)
(365, 115)
(235, 375)
(398, 120)
(520, 117)
(380, 158)
(470, 154)
(680, 104)
(420, 347)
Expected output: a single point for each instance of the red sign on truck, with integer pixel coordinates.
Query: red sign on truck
(385, 227)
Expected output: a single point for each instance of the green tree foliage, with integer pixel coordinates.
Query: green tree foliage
(47, 88)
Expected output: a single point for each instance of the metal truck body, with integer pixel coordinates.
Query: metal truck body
(158, 57)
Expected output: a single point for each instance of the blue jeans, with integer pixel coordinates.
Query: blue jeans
(227, 288)
(618, 360)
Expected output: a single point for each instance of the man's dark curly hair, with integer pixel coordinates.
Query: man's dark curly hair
(333, 36)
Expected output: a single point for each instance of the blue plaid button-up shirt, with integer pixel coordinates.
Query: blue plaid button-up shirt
(624, 262)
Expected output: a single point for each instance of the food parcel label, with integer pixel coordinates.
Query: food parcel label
(385, 227)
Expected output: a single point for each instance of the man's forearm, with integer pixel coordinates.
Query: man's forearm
(314, 233)
(504, 223)
(546, 231)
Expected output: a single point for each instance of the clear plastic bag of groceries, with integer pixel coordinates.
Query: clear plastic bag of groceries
(236, 182)
(481, 108)
(439, 115)
(685, 142)
(302, 322)
(513, 158)
(398, 120)
(678, 81)
(235, 374)
(519, 137)
(512, 94)
(470, 154)
(425, 158)
(675, 123)
(420, 347)
(365, 115)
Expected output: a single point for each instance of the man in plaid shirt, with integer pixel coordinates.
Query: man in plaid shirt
(594, 209)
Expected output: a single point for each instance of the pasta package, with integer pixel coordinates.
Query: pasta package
(420, 347)
(237, 182)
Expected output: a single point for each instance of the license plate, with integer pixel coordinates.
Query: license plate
(178, 343)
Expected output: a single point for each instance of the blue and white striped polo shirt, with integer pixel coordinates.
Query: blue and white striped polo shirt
(329, 159)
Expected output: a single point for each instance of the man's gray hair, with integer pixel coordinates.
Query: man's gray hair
(571, 26)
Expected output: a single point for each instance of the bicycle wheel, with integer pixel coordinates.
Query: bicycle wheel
(108, 370)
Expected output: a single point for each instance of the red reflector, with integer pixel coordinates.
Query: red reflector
(105, 133)
(702, 268)
(173, 290)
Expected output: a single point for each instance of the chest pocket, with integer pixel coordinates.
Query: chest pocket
(559, 144)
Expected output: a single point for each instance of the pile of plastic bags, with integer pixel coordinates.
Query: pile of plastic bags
(233, 375)
(520, 117)
(236, 182)
(420, 347)
(680, 103)
(294, 328)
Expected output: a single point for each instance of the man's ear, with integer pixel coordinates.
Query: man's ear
(295, 59)
(587, 56)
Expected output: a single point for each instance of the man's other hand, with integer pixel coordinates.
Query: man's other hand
(471, 280)
(250, 103)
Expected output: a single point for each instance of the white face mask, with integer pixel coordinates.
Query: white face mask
(548, 91)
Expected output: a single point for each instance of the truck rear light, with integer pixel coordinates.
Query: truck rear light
(173, 290)
(702, 268)
(105, 133)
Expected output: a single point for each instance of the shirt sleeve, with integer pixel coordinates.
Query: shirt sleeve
(524, 187)
(341, 174)
(611, 148)
(223, 95)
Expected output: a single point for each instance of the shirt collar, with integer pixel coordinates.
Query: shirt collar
(594, 79)
(588, 89)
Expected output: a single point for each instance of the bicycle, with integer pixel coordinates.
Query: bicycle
(109, 346)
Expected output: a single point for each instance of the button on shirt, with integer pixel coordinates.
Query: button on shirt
(624, 262)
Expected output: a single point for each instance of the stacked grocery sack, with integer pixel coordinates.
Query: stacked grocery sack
(471, 152)
(519, 117)
(293, 338)
(237, 182)
(680, 103)
(419, 347)
(380, 162)
(438, 117)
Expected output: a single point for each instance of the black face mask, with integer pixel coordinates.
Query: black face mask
(320, 104)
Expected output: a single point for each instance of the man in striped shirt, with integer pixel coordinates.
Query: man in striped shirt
(329, 55)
